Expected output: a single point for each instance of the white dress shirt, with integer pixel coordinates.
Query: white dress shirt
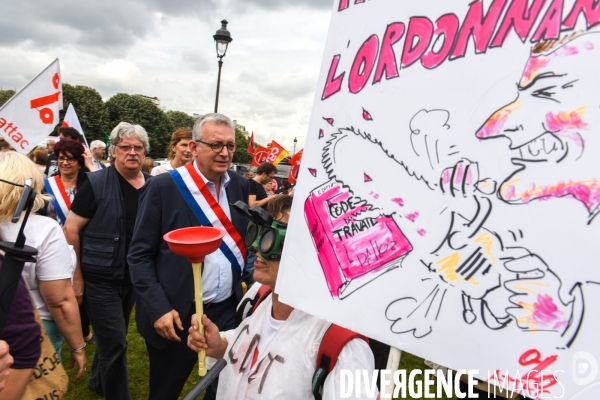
(217, 278)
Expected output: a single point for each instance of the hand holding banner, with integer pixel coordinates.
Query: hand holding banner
(30, 115)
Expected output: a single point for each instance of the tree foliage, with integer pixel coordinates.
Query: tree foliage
(5, 95)
(180, 119)
(241, 155)
(139, 110)
(86, 101)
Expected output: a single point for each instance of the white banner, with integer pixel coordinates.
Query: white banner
(31, 114)
(450, 185)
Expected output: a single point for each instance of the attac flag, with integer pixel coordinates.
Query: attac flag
(71, 120)
(276, 153)
(295, 163)
(260, 156)
(31, 114)
(251, 144)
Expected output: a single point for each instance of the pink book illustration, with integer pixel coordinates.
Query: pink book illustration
(352, 250)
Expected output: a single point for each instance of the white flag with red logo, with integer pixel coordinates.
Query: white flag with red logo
(71, 119)
(31, 114)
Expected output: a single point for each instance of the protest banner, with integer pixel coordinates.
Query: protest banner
(31, 114)
(449, 187)
(259, 156)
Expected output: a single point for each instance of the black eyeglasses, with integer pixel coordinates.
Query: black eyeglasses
(127, 149)
(218, 147)
(68, 160)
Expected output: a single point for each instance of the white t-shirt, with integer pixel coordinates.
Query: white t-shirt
(55, 258)
(161, 169)
(285, 367)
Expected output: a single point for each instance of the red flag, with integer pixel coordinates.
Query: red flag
(295, 163)
(251, 144)
(260, 156)
(276, 153)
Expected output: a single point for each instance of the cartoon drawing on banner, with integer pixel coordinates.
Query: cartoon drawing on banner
(450, 185)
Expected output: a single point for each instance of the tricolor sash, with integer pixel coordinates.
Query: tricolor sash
(209, 212)
(60, 198)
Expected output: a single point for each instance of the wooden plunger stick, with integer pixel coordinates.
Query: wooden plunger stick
(197, 267)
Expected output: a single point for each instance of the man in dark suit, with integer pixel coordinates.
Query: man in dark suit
(163, 280)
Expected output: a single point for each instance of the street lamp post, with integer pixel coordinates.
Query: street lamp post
(295, 143)
(222, 39)
(84, 119)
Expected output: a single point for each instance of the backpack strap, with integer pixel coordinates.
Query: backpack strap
(333, 342)
(263, 292)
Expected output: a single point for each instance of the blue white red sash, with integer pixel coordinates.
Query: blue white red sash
(60, 198)
(209, 212)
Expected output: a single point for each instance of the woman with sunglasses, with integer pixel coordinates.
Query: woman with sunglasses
(272, 354)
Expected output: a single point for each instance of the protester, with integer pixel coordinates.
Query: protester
(163, 280)
(249, 174)
(98, 149)
(40, 158)
(22, 335)
(258, 195)
(49, 278)
(285, 187)
(4, 146)
(179, 152)
(269, 188)
(50, 145)
(148, 165)
(67, 133)
(287, 338)
(103, 215)
(70, 177)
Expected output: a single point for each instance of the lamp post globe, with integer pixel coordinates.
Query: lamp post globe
(222, 39)
(295, 143)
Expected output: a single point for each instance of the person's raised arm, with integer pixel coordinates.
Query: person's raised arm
(212, 341)
(72, 228)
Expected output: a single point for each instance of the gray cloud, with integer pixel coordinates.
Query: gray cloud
(195, 60)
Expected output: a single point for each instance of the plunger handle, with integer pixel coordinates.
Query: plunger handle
(197, 268)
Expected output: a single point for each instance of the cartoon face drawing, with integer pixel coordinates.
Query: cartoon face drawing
(554, 125)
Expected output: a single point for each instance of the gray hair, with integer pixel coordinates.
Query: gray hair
(127, 130)
(212, 117)
(97, 144)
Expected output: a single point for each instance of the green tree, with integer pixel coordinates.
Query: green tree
(5, 95)
(180, 119)
(138, 110)
(241, 155)
(86, 101)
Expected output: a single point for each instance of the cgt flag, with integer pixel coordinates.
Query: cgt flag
(251, 144)
(276, 153)
(295, 163)
(260, 156)
(31, 114)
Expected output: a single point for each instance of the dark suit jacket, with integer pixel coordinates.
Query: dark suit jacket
(163, 280)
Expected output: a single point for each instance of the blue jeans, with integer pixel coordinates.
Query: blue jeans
(109, 307)
(56, 338)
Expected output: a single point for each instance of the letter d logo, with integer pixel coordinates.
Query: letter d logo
(584, 368)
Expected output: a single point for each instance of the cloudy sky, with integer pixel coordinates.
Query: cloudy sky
(165, 49)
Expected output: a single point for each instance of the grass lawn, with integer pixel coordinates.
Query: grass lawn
(139, 369)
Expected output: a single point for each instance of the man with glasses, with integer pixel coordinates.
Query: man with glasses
(99, 227)
(195, 194)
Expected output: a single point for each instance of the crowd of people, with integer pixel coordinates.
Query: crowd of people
(99, 229)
